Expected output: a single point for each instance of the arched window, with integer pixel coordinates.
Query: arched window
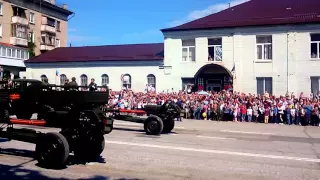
(43, 77)
(104, 80)
(84, 80)
(151, 82)
(126, 81)
(63, 79)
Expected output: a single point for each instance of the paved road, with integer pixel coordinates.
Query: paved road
(196, 150)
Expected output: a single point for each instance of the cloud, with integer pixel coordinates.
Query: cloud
(201, 13)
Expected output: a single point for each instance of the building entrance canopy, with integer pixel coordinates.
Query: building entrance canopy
(213, 77)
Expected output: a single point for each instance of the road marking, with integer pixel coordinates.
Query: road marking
(215, 151)
(211, 137)
(137, 125)
(244, 132)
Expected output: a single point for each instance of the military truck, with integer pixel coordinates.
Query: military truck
(76, 113)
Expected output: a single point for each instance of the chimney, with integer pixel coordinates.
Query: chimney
(65, 6)
(53, 2)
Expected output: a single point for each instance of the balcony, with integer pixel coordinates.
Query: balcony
(18, 41)
(48, 28)
(19, 20)
(46, 47)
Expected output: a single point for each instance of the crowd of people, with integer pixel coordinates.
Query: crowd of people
(229, 106)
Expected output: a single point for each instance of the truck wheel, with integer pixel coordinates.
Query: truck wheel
(90, 150)
(168, 126)
(153, 125)
(52, 150)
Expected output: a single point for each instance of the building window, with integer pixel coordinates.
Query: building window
(31, 36)
(51, 22)
(215, 49)
(315, 46)
(43, 78)
(48, 39)
(63, 79)
(9, 52)
(23, 55)
(315, 85)
(188, 50)
(58, 26)
(57, 42)
(31, 17)
(200, 84)
(151, 80)
(84, 80)
(0, 30)
(4, 52)
(18, 11)
(126, 81)
(19, 31)
(264, 47)
(18, 53)
(104, 80)
(1, 8)
(264, 84)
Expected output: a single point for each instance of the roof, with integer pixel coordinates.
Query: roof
(258, 13)
(54, 6)
(129, 52)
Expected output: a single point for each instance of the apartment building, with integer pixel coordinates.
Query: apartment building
(239, 48)
(29, 28)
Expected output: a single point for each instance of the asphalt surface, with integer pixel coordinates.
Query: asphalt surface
(195, 150)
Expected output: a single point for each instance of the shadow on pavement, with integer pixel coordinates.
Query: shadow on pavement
(17, 152)
(19, 172)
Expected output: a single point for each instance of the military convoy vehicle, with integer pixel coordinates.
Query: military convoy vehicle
(77, 113)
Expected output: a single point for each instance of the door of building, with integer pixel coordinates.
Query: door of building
(214, 87)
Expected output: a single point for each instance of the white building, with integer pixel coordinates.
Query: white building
(247, 49)
(12, 60)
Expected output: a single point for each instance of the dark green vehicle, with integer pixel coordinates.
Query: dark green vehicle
(76, 113)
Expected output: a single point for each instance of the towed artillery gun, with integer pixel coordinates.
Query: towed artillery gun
(159, 118)
(77, 113)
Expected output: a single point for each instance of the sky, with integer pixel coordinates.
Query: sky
(105, 22)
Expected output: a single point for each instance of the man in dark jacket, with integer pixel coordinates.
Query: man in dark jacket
(92, 85)
(73, 84)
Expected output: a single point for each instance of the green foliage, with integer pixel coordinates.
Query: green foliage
(31, 47)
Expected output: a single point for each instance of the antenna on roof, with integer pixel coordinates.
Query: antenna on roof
(229, 5)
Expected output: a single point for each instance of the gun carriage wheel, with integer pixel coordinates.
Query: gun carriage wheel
(168, 125)
(52, 150)
(153, 125)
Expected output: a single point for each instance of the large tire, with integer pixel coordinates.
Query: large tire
(153, 125)
(168, 126)
(52, 150)
(90, 150)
